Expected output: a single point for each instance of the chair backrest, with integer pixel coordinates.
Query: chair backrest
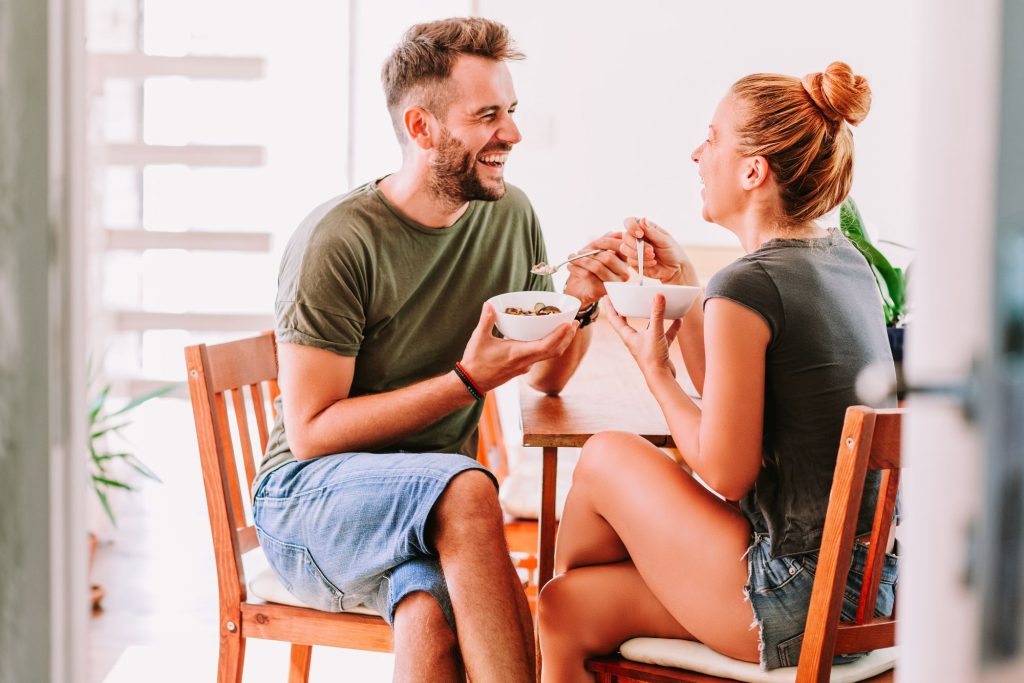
(870, 441)
(219, 374)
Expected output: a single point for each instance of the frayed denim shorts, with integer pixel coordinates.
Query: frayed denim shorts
(779, 591)
(350, 529)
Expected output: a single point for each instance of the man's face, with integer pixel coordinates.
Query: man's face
(477, 132)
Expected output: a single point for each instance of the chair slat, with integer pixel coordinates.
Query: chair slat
(244, 435)
(247, 539)
(236, 364)
(885, 441)
(836, 545)
(237, 509)
(861, 637)
(884, 510)
(309, 626)
(273, 391)
(259, 408)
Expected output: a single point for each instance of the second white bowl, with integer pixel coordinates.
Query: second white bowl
(634, 301)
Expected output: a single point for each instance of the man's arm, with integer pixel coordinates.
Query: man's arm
(550, 376)
(586, 282)
(321, 419)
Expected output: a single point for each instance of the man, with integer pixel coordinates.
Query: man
(365, 494)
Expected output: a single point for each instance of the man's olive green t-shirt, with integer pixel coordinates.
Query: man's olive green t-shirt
(360, 279)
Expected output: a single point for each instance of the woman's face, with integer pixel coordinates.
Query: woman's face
(720, 165)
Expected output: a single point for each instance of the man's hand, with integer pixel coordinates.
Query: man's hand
(588, 275)
(491, 361)
(664, 259)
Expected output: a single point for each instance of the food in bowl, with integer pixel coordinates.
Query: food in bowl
(528, 324)
(634, 300)
(538, 309)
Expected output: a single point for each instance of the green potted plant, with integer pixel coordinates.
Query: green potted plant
(891, 281)
(106, 465)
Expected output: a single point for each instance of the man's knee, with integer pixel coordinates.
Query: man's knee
(420, 623)
(469, 500)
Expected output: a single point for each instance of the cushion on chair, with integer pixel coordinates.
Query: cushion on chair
(520, 492)
(686, 654)
(266, 586)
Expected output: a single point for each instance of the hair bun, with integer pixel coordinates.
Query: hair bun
(839, 93)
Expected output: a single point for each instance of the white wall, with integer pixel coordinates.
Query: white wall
(613, 100)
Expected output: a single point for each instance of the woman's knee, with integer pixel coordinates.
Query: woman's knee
(605, 454)
(556, 606)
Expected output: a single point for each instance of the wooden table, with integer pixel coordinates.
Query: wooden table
(608, 392)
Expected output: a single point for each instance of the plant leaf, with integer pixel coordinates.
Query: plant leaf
(113, 483)
(97, 404)
(100, 432)
(106, 504)
(148, 396)
(141, 468)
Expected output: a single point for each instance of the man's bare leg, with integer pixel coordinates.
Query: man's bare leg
(425, 646)
(495, 632)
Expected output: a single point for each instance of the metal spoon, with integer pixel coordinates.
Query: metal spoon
(544, 269)
(640, 258)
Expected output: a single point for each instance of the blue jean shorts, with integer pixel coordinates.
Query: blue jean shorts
(350, 529)
(779, 591)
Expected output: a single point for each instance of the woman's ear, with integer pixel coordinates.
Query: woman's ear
(755, 172)
(417, 127)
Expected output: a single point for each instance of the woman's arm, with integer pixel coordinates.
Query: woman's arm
(722, 440)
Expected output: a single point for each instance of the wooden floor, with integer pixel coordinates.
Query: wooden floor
(156, 566)
(159, 616)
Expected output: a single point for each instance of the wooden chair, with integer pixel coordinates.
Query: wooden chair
(217, 375)
(870, 440)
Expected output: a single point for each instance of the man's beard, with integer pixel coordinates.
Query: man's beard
(454, 178)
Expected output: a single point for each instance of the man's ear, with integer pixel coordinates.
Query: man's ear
(417, 127)
(755, 172)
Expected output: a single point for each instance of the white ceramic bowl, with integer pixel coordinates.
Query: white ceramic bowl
(530, 327)
(634, 301)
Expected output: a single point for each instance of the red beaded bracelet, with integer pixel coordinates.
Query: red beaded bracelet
(468, 381)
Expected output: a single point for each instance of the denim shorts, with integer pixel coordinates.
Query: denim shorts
(350, 529)
(779, 591)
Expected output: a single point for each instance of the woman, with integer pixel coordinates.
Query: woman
(643, 548)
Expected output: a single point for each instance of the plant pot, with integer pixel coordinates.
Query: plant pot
(96, 591)
(896, 335)
(896, 342)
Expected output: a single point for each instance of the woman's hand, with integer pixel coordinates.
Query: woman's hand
(588, 275)
(649, 347)
(664, 259)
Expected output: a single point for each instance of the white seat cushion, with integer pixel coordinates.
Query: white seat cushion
(266, 587)
(520, 492)
(692, 656)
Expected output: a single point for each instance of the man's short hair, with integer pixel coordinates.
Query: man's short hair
(420, 65)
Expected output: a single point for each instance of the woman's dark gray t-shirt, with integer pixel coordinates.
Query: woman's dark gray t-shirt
(824, 311)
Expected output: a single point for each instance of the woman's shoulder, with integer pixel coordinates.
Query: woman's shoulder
(743, 273)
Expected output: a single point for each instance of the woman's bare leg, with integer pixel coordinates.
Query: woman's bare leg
(686, 544)
(590, 611)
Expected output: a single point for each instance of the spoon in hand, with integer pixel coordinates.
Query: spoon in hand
(544, 269)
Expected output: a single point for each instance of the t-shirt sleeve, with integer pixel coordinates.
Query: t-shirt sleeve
(320, 298)
(747, 283)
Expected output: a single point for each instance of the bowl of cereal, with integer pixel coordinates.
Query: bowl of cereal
(632, 300)
(526, 316)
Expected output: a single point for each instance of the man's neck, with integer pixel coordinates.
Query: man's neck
(409, 191)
